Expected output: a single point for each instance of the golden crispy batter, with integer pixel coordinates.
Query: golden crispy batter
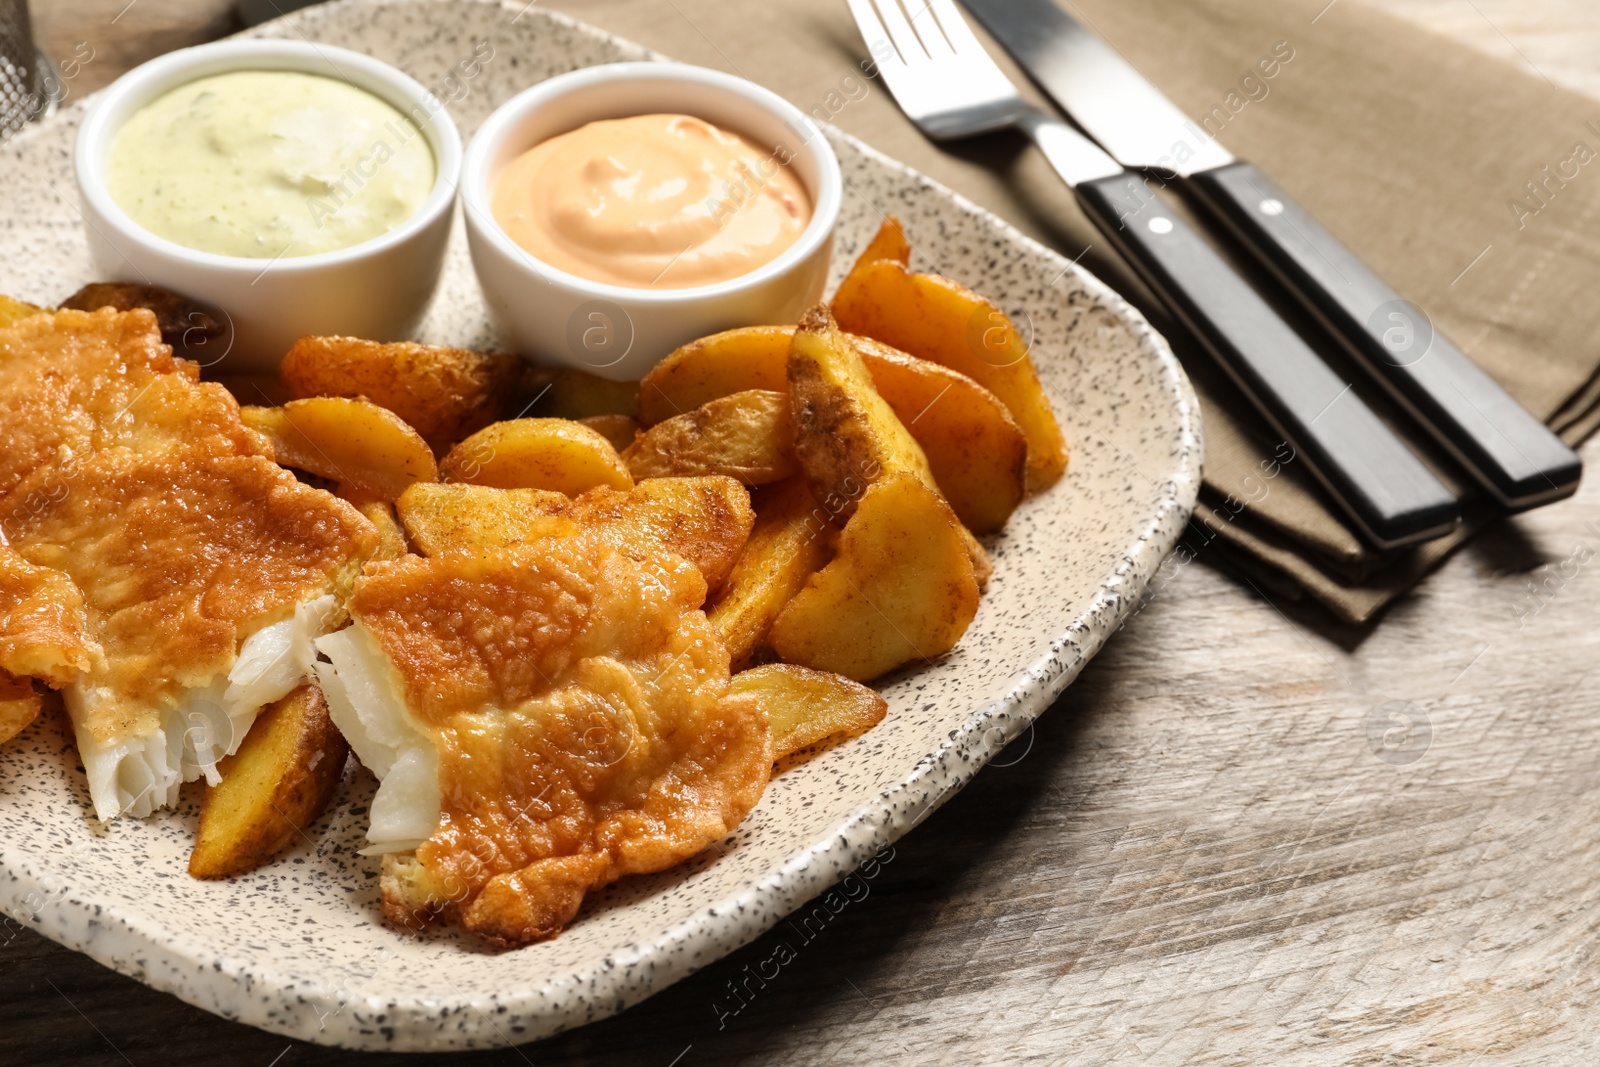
(76, 381)
(580, 704)
(144, 489)
(43, 632)
(179, 552)
(19, 705)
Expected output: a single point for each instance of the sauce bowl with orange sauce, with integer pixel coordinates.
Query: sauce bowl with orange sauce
(616, 212)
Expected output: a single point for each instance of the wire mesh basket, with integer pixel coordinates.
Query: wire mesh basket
(27, 84)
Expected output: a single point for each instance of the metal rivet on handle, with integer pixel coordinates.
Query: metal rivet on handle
(1160, 225)
(1272, 207)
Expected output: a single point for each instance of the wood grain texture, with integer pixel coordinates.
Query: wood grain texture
(91, 42)
(1243, 837)
(1556, 39)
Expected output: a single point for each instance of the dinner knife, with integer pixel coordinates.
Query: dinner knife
(1389, 495)
(1513, 455)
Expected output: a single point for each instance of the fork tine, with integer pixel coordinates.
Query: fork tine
(937, 71)
(928, 29)
(956, 30)
(879, 46)
(904, 37)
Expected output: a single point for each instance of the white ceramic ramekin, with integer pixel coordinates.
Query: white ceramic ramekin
(619, 332)
(378, 289)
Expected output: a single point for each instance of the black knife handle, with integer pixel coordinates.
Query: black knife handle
(1392, 497)
(1511, 453)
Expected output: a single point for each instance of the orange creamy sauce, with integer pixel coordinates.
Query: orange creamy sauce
(652, 201)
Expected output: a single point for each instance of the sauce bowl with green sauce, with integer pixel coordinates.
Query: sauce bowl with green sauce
(300, 189)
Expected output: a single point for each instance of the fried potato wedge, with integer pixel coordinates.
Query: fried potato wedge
(977, 453)
(575, 394)
(888, 243)
(279, 781)
(982, 567)
(937, 319)
(478, 519)
(751, 357)
(189, 326)
(556, 454)
(620, 430)
(20, 702)
(975, 449)
(14, 310)
(810, 711)
(792, 540)
(846, 436)
(349, 440)
(744, 435)
(379, 512)
(445, 393)
(704, 520)
(900, 587)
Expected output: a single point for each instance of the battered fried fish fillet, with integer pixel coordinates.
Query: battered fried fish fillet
(42, 635)
(19, 705)
(75, 382)
(548, 719)
(43, 630)
(198, 571)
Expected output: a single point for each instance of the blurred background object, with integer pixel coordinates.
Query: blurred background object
(27, 90)
(253, 12)
(91, 42)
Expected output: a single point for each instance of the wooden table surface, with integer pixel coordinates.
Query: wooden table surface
(1244, 836)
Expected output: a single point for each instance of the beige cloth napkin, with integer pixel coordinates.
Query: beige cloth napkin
(1408, 147)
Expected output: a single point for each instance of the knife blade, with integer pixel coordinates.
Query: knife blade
(1511, 454)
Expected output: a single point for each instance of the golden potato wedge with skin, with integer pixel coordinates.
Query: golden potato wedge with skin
(888, 243)
(752, 357)
(13, 310)
(846, 436)
(458, 517)
(792, 540)
(620, 430)
(900, 587)
(556, 454)
(704, 520)
(744, 435)
(279, 781)
(348, 440)
(379, 512)
(810, 711)
(975, 449)
(937, 319)
(187, 325)
(982, 568)
(445, 393)
(977, 453)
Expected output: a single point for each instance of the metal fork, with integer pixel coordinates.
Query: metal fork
(945, 82)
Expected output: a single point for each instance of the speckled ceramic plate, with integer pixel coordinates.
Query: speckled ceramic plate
(299, 949)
